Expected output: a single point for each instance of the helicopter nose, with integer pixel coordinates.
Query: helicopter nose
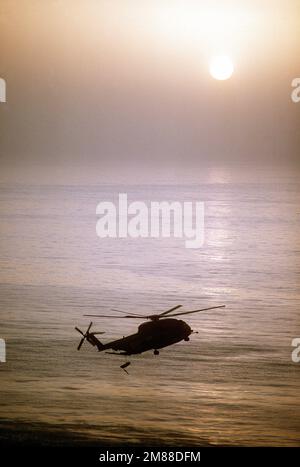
(187, 329)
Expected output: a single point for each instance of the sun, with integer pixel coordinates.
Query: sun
(221, 67)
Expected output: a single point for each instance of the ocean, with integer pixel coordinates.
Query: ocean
(234, 383)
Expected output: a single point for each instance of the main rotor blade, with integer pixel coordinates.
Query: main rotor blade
(196, 311)
(88, 329)
(119, 317)
(79, 330)
(147, 316)
(169, 311)
(125, 312)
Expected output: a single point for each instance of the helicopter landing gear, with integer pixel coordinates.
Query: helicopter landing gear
(187, 339)
(156, 352)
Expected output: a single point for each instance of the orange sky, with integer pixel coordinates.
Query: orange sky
(88, 80)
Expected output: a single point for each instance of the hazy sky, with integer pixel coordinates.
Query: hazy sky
(89, 80)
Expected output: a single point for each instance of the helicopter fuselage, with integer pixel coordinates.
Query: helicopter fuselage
(151, 335)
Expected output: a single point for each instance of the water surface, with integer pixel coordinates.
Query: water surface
(233, 383)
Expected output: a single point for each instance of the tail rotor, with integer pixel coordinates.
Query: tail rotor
(89, 336)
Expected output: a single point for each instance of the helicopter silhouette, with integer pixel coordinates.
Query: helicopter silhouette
(160, 331)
